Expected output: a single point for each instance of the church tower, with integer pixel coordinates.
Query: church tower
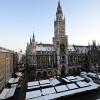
(60, 41)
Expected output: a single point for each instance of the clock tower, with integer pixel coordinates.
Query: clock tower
(60, 41)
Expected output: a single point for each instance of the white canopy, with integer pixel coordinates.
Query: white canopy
(61, 88)
(48, 91)
(33, 94)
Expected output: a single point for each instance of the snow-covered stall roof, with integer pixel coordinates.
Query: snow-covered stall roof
(83, 84)
(44, 85)
(61, 88)
(65, 79)
(74, 78)
(71, 77)
(7, 93)
(33, 94)
(79, 78)
(54, 81)
(48, 91)
(91, 74)
(13, 80)
(72, 86)
(33, 83)
(33, 87)
(47, 81)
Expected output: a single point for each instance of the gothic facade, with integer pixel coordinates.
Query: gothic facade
(50, 59)
(59, 58)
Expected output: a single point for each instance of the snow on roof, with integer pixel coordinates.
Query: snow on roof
(44, 47)
(79, 78)
(33, 83)
(66, 80)
(33, 87)
(3, 93)
(50, 90)
(47, 81)
(7, 93)
(44, 85)
(83, 84)
(71, 48)
(2, 49)
(13, 80)
(81, 49)
(37, 98)
(71, 77)
(67, 93)
(50, 97)
(16, 80)
(91, 74)
(99, 76)
(83, 73)
(11, 92)
(54, 81)
(60, 91)
(33, 94)
(61, 88)
(72, 86)
(93, 86)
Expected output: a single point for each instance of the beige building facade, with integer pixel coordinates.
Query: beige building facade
(6, 66)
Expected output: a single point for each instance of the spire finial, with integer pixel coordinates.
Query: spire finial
(58, 3)
(59, 9)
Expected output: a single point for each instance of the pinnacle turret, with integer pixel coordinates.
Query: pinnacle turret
(59, 10)
(30, 41)
(33, 38)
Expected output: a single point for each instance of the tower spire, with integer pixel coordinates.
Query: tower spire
(59, 23)
(59, 13)
(30, 40)
(33, 37)
(59, 3)
(59, 9)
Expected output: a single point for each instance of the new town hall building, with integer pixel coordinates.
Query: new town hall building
(59, 58)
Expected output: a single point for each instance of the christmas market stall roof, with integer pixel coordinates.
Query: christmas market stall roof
(55, 88)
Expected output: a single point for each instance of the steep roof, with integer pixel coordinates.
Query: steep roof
(44, 47)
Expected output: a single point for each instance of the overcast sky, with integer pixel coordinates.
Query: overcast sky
(19, 18)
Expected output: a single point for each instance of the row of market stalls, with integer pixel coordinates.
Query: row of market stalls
(11, 86)
(93, 75)
(55, 88)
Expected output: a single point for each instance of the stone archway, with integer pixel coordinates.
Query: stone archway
(78, 70)
(39, 75)
(74, 71)
(69, 71)
(44, 74)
